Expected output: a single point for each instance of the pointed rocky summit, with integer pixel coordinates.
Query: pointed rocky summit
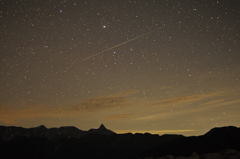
(101, 130)
(102, 127)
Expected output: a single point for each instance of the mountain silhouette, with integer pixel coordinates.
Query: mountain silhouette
(70, 142)
(223, 131)
(52, 133)
(101, 130)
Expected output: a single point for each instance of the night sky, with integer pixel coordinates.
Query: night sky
(157, 66)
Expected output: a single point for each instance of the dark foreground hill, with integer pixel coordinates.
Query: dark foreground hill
(101, 143)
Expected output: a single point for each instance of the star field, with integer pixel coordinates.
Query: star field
(136, 66)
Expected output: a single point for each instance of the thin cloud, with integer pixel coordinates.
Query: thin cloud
(119, 116)
(177, 106)
(216, 101)
(226, 103)
(191, 98)
(100, 103)
(199, 109)
(178, 100)
(11, 115)
(105, 102)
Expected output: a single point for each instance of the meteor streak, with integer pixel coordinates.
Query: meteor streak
(119, 44)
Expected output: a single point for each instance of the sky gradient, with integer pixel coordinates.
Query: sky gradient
(136, 66)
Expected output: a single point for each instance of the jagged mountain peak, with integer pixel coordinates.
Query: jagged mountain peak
(102, 127)
(101, 130)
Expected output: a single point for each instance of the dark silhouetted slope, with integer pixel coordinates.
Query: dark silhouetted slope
(52, 133)
(70, 142)
(101, 130)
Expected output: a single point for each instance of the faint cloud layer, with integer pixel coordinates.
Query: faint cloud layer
(105, 102)
(119, 116)
(10, 115)
(191, 98)
(99, 103)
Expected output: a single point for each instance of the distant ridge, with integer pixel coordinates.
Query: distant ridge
(70, 142)
(101, 130)
(8, 132)
(223, 131)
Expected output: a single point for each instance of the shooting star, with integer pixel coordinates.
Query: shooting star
(119, 44)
